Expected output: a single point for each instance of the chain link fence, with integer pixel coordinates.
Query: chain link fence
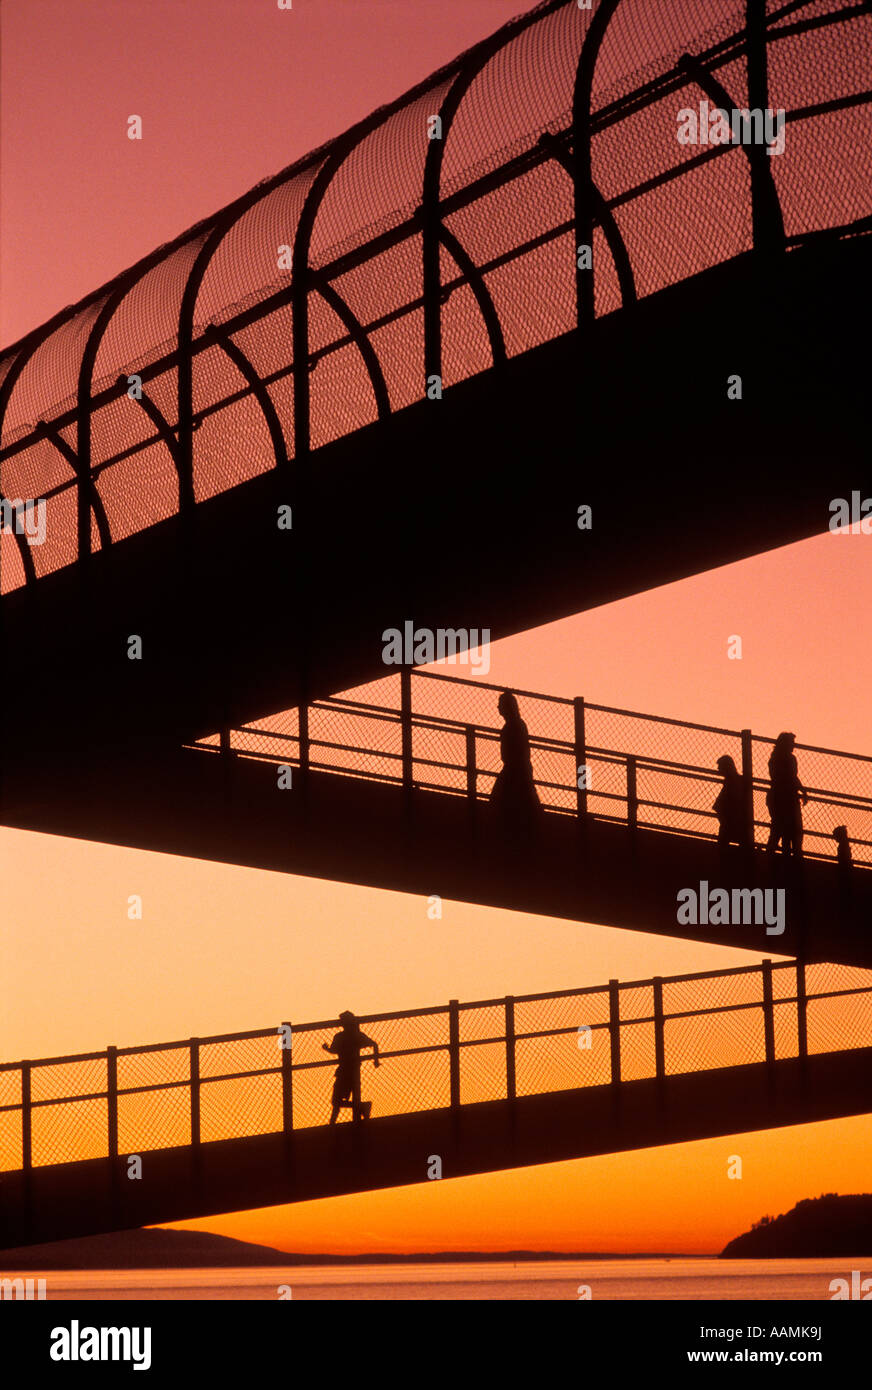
(639, 769)
(203, 1090)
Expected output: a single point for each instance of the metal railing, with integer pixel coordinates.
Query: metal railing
(421, 730)
(128, 1100)
(336, 292)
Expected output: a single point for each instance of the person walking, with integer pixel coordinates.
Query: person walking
(514, 791)
(783, 798)
(729, 805)
(347, 1045)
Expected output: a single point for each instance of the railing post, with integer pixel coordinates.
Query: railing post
(287, 1079)
(454, 1054)
(659, 1030)
(580, 756)
(27, 1146)
(802, 1022)
(748, 784)
(356, 1102)
(768, 1023)
(766, 216)
(471, 770)
(406, 731)
(510, 1048)
(195, 1093)
(112, 1126)
(632, 799)
(615, 1030)
(303, 741)
(224, 742)
(112, 1102)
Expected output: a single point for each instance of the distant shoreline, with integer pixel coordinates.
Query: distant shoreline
(153, 1248)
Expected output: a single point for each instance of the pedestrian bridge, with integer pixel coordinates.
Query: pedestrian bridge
(240, 1121)
(350, 396)
(389, 786)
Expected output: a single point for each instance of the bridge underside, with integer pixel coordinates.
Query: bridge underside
(179, 1184)
(345, 829)
(463, 512)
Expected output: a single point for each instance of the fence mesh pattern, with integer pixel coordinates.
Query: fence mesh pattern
(463, 1054)
(454, 741)
(506, 198)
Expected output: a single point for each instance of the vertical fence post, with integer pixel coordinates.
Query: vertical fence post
(356, 1102)
(454, 1054)
(659, 1037)
(27, 1147)
(580, 755)
(768, 1023)
(632, 799)
(195, 1093)
(615, 1030)
(748, 783)
(471, 770)
(303, 742)
(510, 1048)
(112, 1124)
(406, 731)
(802, 1022)
(287, 1080)
(766, 217)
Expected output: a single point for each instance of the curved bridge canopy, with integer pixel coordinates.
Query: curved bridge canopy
(437, 239)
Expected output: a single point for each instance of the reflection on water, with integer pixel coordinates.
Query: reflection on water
(681, 1278)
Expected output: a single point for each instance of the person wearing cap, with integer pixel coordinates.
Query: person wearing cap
(347, 1045)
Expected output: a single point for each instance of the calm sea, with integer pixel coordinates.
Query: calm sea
(680, 1278)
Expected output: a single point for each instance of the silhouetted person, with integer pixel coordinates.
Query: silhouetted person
(845, 862)
(782, 798)
(347, 1045)
(844, 858)
(729, 805)
(514, 792)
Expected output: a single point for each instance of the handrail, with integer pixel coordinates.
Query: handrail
(343, 748)
(534, 1025)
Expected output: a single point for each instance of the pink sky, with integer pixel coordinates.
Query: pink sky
(229, 91)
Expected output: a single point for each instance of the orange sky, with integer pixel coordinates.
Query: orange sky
(230, 91)
(222, 948)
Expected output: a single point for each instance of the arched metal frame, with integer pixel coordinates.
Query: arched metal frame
(432, 228)
(573, 149)
(334, 300)
(475, 280)
(582, 147)
(161, 424)
(767, 220)
(7, 386)
(86, 486)
(216, 334)
(611, 231)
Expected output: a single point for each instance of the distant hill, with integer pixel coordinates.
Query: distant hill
(818, 1226)
(142, 1249)
(156, 1248)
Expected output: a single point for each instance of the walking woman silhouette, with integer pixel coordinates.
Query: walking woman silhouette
(782, 798)
(514, 791)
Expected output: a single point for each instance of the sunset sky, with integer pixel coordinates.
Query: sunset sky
(230, 93)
